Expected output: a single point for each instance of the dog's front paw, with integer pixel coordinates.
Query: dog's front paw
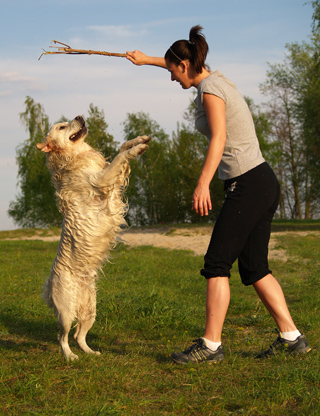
(137, 150)
(134, 142)
(144, 139)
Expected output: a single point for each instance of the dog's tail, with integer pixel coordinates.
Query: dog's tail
(47, 292)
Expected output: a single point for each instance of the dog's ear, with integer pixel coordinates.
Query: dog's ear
(44, 147)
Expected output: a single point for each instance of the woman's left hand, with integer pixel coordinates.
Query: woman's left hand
(201, 200)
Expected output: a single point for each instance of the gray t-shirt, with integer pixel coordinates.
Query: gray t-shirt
(242, 152)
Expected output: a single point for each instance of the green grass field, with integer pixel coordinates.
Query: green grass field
(150, 303)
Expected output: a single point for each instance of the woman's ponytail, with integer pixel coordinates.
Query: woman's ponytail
(199, 48)
(195, 50)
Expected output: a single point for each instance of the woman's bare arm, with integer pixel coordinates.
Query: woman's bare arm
(216, 115)
(139, 58)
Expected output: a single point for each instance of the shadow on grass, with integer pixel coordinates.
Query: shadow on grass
(136, 347)
(245, 354)
(22, 345)
(24, 334)
(41, 333)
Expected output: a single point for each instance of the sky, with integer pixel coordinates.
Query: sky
(244, 37)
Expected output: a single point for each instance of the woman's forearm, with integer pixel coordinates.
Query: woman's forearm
(139, 58)
(212, 161)
(201, 197)
(157, 61)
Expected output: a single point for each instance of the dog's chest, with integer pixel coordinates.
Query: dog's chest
(81, 201)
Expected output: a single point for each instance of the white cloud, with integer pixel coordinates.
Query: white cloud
(122, 31)
(14, 76)
(6, 93)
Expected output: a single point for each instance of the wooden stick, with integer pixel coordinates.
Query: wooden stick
(66, 49)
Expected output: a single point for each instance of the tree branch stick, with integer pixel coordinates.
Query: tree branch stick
(66, 49)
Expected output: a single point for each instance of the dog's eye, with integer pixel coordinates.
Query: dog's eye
(62, 127)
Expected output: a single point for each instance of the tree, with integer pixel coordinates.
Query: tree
(281, 86)
(151, 190)
(98, 137)
(263, 127)
(294, 89)
(34, 205)
(316, 17)
(306, 59)
(305, 62)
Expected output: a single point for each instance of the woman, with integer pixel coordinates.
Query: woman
(243, 227)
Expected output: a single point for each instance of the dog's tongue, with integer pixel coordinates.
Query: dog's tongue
(44, 147)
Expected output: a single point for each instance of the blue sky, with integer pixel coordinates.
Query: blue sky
(243, 36)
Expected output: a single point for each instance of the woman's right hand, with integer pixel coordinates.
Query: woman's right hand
(137, 57)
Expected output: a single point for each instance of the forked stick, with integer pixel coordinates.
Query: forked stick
(66, 49)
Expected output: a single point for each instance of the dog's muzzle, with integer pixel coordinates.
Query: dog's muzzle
(79, 125)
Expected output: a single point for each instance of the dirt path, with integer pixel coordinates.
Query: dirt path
(195, 239)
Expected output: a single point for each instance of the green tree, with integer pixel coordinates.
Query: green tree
(280, 86)
(315, 17)
(294, 88)
(151, 191)
(306, 60)
(305, 63)
(263, 127)
(98, 137)
(34, 205)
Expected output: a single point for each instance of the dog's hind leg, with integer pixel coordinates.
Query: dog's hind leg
(63, 295)
(80, 336)
(65, 326)
(86, 316)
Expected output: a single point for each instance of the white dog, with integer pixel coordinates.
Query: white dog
(89, 193)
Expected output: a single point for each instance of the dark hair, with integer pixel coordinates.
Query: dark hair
(195, 50)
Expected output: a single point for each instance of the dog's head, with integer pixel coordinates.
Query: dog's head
(64, 136)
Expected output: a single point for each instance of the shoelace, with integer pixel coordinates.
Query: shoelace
(194, 347)
(276, 342)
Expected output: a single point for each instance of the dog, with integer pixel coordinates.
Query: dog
(89, 192)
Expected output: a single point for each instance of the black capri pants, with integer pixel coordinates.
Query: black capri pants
(243, 227)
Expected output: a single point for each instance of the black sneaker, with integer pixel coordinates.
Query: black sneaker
(197, 353)
(298, 346)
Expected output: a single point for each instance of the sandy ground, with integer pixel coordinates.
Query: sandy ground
(194, 239)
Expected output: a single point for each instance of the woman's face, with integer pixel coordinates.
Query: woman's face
(179, 74)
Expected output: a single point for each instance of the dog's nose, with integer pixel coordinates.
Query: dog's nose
(79, 118)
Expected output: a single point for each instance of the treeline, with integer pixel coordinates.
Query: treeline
(161, 182)
(293, 117)
(163, 179)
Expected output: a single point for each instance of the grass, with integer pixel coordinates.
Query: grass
(151, 302)
(30, 233)
(295, 225)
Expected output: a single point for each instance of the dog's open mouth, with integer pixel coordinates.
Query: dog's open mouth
(77, 136)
